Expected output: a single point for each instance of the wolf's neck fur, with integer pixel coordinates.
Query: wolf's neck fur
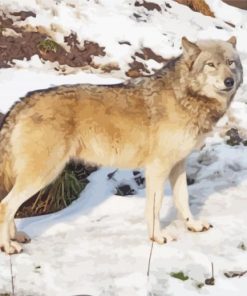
(204, 111)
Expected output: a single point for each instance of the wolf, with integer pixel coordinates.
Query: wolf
(152, 123)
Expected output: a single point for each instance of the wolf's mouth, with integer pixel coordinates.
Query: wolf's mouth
(227, 89)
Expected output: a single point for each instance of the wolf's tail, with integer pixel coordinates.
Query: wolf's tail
(6, 173)
(7, 125)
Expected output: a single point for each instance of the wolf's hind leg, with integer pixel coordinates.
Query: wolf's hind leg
(181, 198)
(30, 179)
(8, 207)
(21, 191)
(18, 236)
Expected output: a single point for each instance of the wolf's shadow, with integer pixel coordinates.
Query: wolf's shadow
(90, 198)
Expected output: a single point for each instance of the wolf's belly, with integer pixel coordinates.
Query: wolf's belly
(114, 153)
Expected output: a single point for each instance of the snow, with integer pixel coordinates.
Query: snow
(227, 12)
(98, 246)
(42, 76)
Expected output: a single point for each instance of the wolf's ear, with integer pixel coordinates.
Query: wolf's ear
(191, 51)
(233, 41)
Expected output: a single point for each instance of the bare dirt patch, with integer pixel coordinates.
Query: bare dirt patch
(148, 5)
(238, 3)
(18, 43)
(137, 68)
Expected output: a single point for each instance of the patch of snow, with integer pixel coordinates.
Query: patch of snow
(33, 75)
(227, 12)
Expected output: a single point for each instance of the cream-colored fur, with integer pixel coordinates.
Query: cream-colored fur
(152, 123)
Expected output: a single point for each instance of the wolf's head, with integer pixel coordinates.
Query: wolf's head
(214, 68)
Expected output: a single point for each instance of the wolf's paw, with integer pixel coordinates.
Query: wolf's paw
(162, 238)
(197, 226)
(11, 248)
(22, 237)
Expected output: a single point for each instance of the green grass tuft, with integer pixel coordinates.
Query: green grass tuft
(179, 275)
(47, 45)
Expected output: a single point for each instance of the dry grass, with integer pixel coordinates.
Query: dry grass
(59, 194)
(198, 6)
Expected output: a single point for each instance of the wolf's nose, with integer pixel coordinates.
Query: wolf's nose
(229, 82)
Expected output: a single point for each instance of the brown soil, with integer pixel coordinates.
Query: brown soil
(20, 44)
(148, 5)
(137, 68)
(23, 14)
(238, 3)
(147, 54)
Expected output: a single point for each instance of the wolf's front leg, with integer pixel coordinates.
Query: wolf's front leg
(155, 178)
(181, 198)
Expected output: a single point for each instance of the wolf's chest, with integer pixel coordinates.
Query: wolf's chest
(175, 144)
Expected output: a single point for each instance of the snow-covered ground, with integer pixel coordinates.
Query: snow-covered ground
(98, 246)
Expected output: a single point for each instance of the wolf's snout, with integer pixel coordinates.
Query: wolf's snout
(229, 82)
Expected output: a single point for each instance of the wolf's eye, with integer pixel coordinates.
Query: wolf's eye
(229, 62)
(211, 65)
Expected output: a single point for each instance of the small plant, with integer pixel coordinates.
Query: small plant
(47, 45)
(37, 269)
(242, 246)
(199, 285)
(234, 138)
(179, 275)
(60, 193)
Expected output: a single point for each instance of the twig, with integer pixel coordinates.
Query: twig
(211, 281)
(152, 244)
(111, 175)
(12, 277)
(242, 273)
